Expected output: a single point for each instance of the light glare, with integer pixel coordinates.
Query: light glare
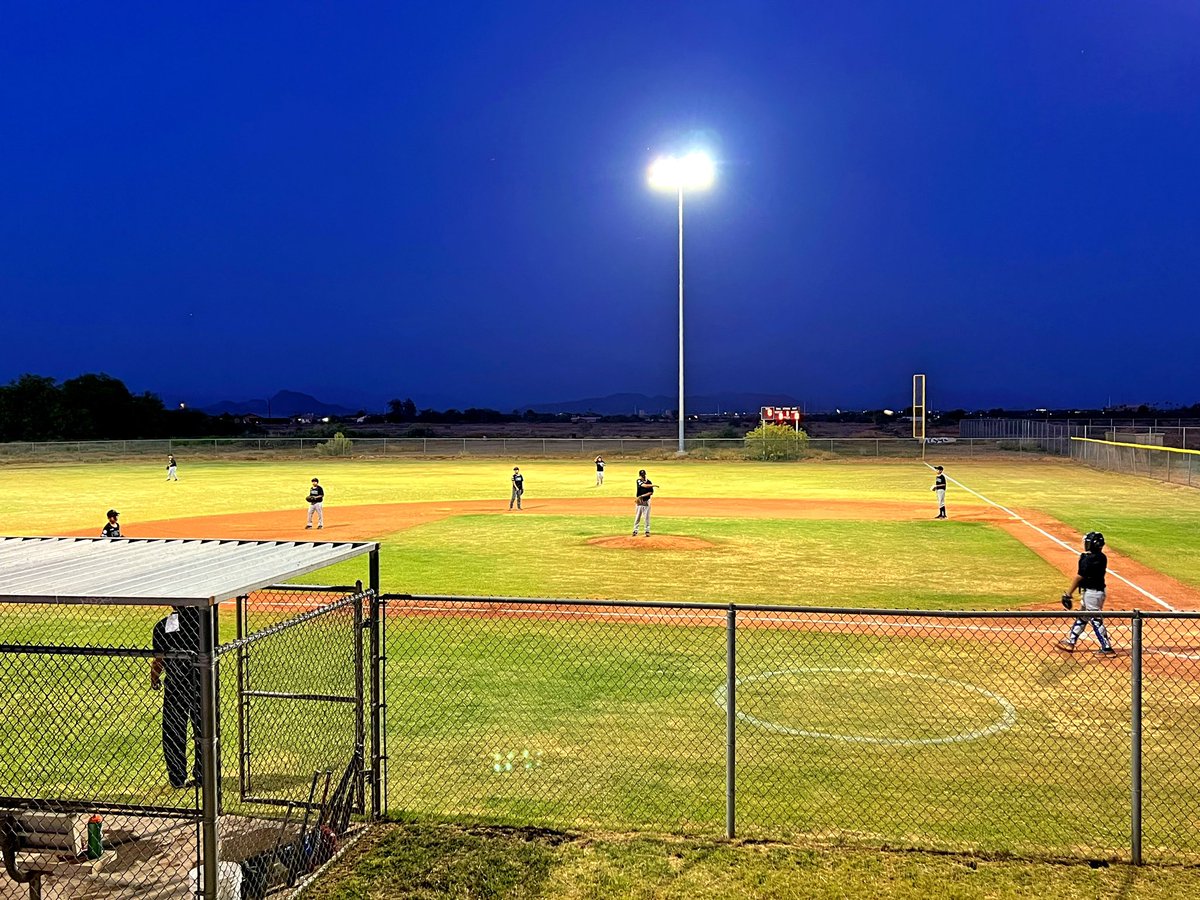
(690, 173)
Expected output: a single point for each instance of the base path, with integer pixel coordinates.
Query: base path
(373, 522)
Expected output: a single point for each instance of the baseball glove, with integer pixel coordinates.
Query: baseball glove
(1066, 601)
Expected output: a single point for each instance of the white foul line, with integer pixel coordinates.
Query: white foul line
(1145, 593)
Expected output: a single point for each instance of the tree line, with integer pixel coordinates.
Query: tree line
(96, 407)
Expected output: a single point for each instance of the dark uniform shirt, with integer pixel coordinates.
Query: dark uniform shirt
(599, 465)
(181, 673)
(316, 494)
(111, 529)
(644, 490)
(1092, 567)
(518, 482)
(939, 483)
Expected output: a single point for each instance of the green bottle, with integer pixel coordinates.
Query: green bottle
(95, 837)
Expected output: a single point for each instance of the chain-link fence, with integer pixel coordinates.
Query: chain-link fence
(940, 731)
(1054, 435)
(1170, 464)
(140, 749)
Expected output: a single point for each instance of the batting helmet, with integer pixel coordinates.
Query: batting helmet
(1093, 540)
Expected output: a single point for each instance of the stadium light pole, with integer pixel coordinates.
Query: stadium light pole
(693, 172)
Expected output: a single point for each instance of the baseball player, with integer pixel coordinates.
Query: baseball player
(178, 633)
(171, 474)
(113, 527)
(599, 470)
(316, 504)
(1093, 565)
(645, 490)
(939, 488)
(518, 488)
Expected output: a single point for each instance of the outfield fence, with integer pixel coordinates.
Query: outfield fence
(1055, 435)
(103, 791)
(1174, 465)
(510, 447)
(962, 732)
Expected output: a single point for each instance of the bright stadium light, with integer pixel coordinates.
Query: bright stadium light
(693, 172)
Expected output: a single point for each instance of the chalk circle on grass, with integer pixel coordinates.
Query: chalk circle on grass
(1006, 719)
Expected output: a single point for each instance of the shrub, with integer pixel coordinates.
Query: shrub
(776, 442)
(338, 445)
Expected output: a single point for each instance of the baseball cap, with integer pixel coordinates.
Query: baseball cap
(641, 471)
(112, 512)
(939, 468)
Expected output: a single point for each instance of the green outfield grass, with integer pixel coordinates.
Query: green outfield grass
(618, 724)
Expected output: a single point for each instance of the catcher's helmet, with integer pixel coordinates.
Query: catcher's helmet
(1093, 540)
(112, 513)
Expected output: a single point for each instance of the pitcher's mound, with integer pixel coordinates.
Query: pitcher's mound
(654, 542)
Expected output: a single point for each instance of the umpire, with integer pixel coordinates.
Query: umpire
(179, 633)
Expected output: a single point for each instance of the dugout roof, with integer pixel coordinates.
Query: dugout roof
(155, 572)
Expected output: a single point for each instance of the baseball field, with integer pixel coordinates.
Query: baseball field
(917, 733)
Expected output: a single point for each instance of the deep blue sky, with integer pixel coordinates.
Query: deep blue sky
(447, 200)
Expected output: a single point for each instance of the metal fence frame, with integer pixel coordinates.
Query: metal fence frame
(206, 805)
(447, 607)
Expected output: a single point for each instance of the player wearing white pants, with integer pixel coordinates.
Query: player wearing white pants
(939, 491)
(645, 490)
(1093, 565)
(316, 504)
(599, 470)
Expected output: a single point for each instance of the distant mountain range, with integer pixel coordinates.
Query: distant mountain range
(285, 404)
(282, 405)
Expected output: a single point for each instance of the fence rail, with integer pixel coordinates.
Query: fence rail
(525, 447)
(1170, 464)
(1054, 435)
(931, 730)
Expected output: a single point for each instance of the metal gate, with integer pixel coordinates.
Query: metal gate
(302, 694)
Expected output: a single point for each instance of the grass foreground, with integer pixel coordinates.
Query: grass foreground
(422, 862)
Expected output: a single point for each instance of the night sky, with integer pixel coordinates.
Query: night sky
(447, 201)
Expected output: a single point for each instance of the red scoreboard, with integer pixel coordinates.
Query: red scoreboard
(782, 415)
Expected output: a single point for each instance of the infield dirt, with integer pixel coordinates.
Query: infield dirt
(352, 523)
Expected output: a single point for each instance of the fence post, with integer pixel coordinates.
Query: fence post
(1135, 742)
(377, 695)
(730, 720)
(360, 678)
(206, 661)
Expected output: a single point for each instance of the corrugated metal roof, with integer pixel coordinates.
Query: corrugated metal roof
(145, 571)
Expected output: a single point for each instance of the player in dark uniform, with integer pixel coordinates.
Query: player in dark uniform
(599, 470)
(172, 473)
(645, 490)
(518, 488)
(113, 527)
(939, 488)
(316, 504)
(1093, 565)
(178, 633)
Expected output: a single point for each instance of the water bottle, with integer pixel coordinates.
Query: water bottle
(95, 837)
